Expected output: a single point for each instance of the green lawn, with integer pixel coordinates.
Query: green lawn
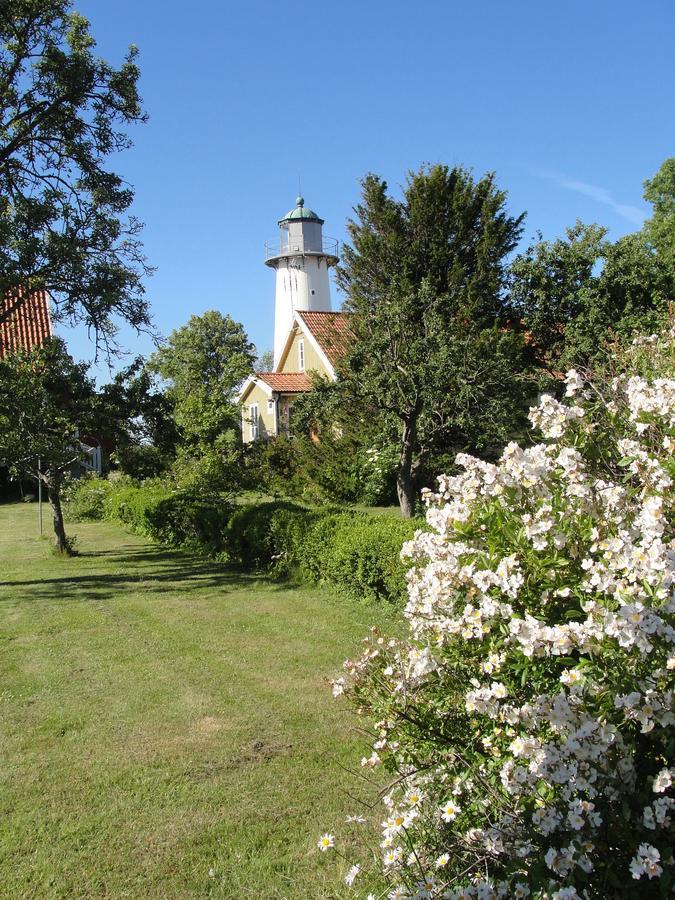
(166, 725)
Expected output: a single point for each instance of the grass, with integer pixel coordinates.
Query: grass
(167, 727)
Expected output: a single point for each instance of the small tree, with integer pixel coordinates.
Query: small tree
(63, 225)
(265, 361)
(46, 401)
(424, 276)
(203, 364)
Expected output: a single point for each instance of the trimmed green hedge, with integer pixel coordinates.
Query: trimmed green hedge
(355, 551)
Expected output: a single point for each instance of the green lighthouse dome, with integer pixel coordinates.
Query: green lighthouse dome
(301, 213)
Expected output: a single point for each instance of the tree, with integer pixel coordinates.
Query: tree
(203, 363)
(424, 276)
(265, 361)
(660, 229)
(337, 443)
(552, 283)
(137, 419)
(46, 402)
(575, 294)
(63, 213)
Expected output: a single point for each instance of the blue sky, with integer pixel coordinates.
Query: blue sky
(572, 104)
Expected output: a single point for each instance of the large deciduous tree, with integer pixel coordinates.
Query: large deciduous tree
(46, 401)
(203, 363)
(424, 275)
(660, 229)
(64, 222)
(574, 293)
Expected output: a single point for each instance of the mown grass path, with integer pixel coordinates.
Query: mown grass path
(166, 725)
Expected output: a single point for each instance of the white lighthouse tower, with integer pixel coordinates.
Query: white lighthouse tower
(301, 257)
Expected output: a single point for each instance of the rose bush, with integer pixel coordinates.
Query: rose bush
(526, 722)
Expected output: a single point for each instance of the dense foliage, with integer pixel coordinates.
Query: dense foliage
(64, 113)
(346, 460)
(359, 552)
(660, 228)
(202, 364)
(577, 293)
(424, 276)
(135, 417)
(527, 721)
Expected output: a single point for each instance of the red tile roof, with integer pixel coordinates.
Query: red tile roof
(28, 324)
(286, 382)
(332, 330)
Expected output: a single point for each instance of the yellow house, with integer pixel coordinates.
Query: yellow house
(314, 344)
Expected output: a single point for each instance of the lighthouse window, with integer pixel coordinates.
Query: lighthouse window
(313, 291)
(301, 356)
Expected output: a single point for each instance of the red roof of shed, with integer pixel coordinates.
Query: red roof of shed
(28, 324)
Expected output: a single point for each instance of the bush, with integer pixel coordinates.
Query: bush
(356, 551)
(85, 498)
(338, 470)
(132, 504)
(527, 720)
(265, 536)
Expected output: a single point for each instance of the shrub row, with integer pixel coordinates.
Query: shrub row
(356, 551)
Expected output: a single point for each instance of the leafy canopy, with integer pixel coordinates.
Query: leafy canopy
(576, 293)
(203, 363)
(424, 276)
(660, 229)
(63, 213)
(137, 419)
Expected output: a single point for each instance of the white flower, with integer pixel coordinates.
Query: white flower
(326, 842)
(358, 820)
(449, 811)
(392, 856)
(350, 877)
(663, 781)
(573, 382)
(646, 862)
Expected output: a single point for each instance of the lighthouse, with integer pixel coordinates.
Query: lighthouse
(301, 257)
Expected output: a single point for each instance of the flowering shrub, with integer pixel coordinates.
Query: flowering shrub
(377, 474)
(528, 719)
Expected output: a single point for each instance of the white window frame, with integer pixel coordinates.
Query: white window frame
(301, 355)
(254, 418)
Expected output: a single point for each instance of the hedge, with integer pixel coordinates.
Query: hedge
(356, 551)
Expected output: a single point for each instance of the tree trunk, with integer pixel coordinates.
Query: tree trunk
(405, 481)
(54, 487)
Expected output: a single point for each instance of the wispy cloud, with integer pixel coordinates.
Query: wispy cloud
(599, 194)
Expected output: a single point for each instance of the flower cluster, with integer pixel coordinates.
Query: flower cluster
(527, 721)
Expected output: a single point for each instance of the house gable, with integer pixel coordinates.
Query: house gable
(300, 354)
(314, 344)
